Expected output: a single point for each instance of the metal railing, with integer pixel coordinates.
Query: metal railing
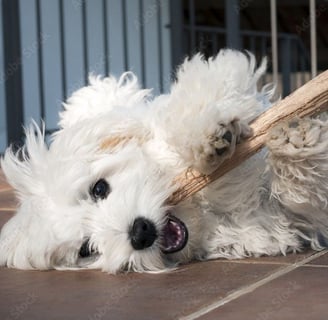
(48, 51)
(294, 62)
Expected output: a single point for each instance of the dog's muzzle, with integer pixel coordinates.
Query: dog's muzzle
(173, 236)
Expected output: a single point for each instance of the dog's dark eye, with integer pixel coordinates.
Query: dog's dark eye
(85, 250)
(100, 190)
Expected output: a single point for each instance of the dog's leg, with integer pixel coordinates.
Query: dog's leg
(257, 234)
(211, 140)
(210, 106)
(212, 148)
(298, 159)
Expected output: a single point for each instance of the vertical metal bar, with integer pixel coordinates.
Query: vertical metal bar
(125, 40)
(142, 41)
(252, 44)
(40, 58)
(295, 64)
(313, 33)
(160, 46)
(263, 46)
(177, 40)
(274, 39)
(286, 65)
(13, 70)
(105, 31)
(62, 49)
(263, 54)
(192, 23)
(199, 36)
(85, 41)
(302, 65)
(214, 43)
(292, 65)
(232, 23)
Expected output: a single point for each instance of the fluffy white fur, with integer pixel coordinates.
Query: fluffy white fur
(115, 131)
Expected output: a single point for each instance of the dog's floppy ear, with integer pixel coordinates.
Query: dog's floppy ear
(22, 167)
(101, 96)
(111, 143)
(127, 129)
(20, 238)
(14, 241)
(26, 240)
(114, 143)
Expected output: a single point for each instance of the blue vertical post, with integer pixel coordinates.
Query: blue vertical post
(13, 70)
(192, 24)
(176, 16)
(232, 22)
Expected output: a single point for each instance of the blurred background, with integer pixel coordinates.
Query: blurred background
(49, 47)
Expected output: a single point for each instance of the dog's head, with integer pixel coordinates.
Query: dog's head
(94, 199)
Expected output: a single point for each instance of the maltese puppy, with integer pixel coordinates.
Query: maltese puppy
(96, 197)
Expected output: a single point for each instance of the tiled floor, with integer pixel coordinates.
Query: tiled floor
(292, 287)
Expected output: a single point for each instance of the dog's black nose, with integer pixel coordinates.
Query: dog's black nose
(143, 234)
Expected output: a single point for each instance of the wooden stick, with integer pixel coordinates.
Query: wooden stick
(310, 99)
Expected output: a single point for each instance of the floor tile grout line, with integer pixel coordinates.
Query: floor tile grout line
(250, 288)
(316, 266)
(262, 262)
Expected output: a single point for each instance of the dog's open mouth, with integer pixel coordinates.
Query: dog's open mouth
(174, 235)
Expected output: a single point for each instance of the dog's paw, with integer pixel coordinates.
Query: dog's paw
(298, 137)
(214, 148)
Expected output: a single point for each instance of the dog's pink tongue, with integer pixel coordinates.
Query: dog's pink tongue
(175, 235)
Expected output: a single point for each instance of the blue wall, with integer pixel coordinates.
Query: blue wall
(99, 35)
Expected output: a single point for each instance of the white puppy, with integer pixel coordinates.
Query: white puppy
(96, 198)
